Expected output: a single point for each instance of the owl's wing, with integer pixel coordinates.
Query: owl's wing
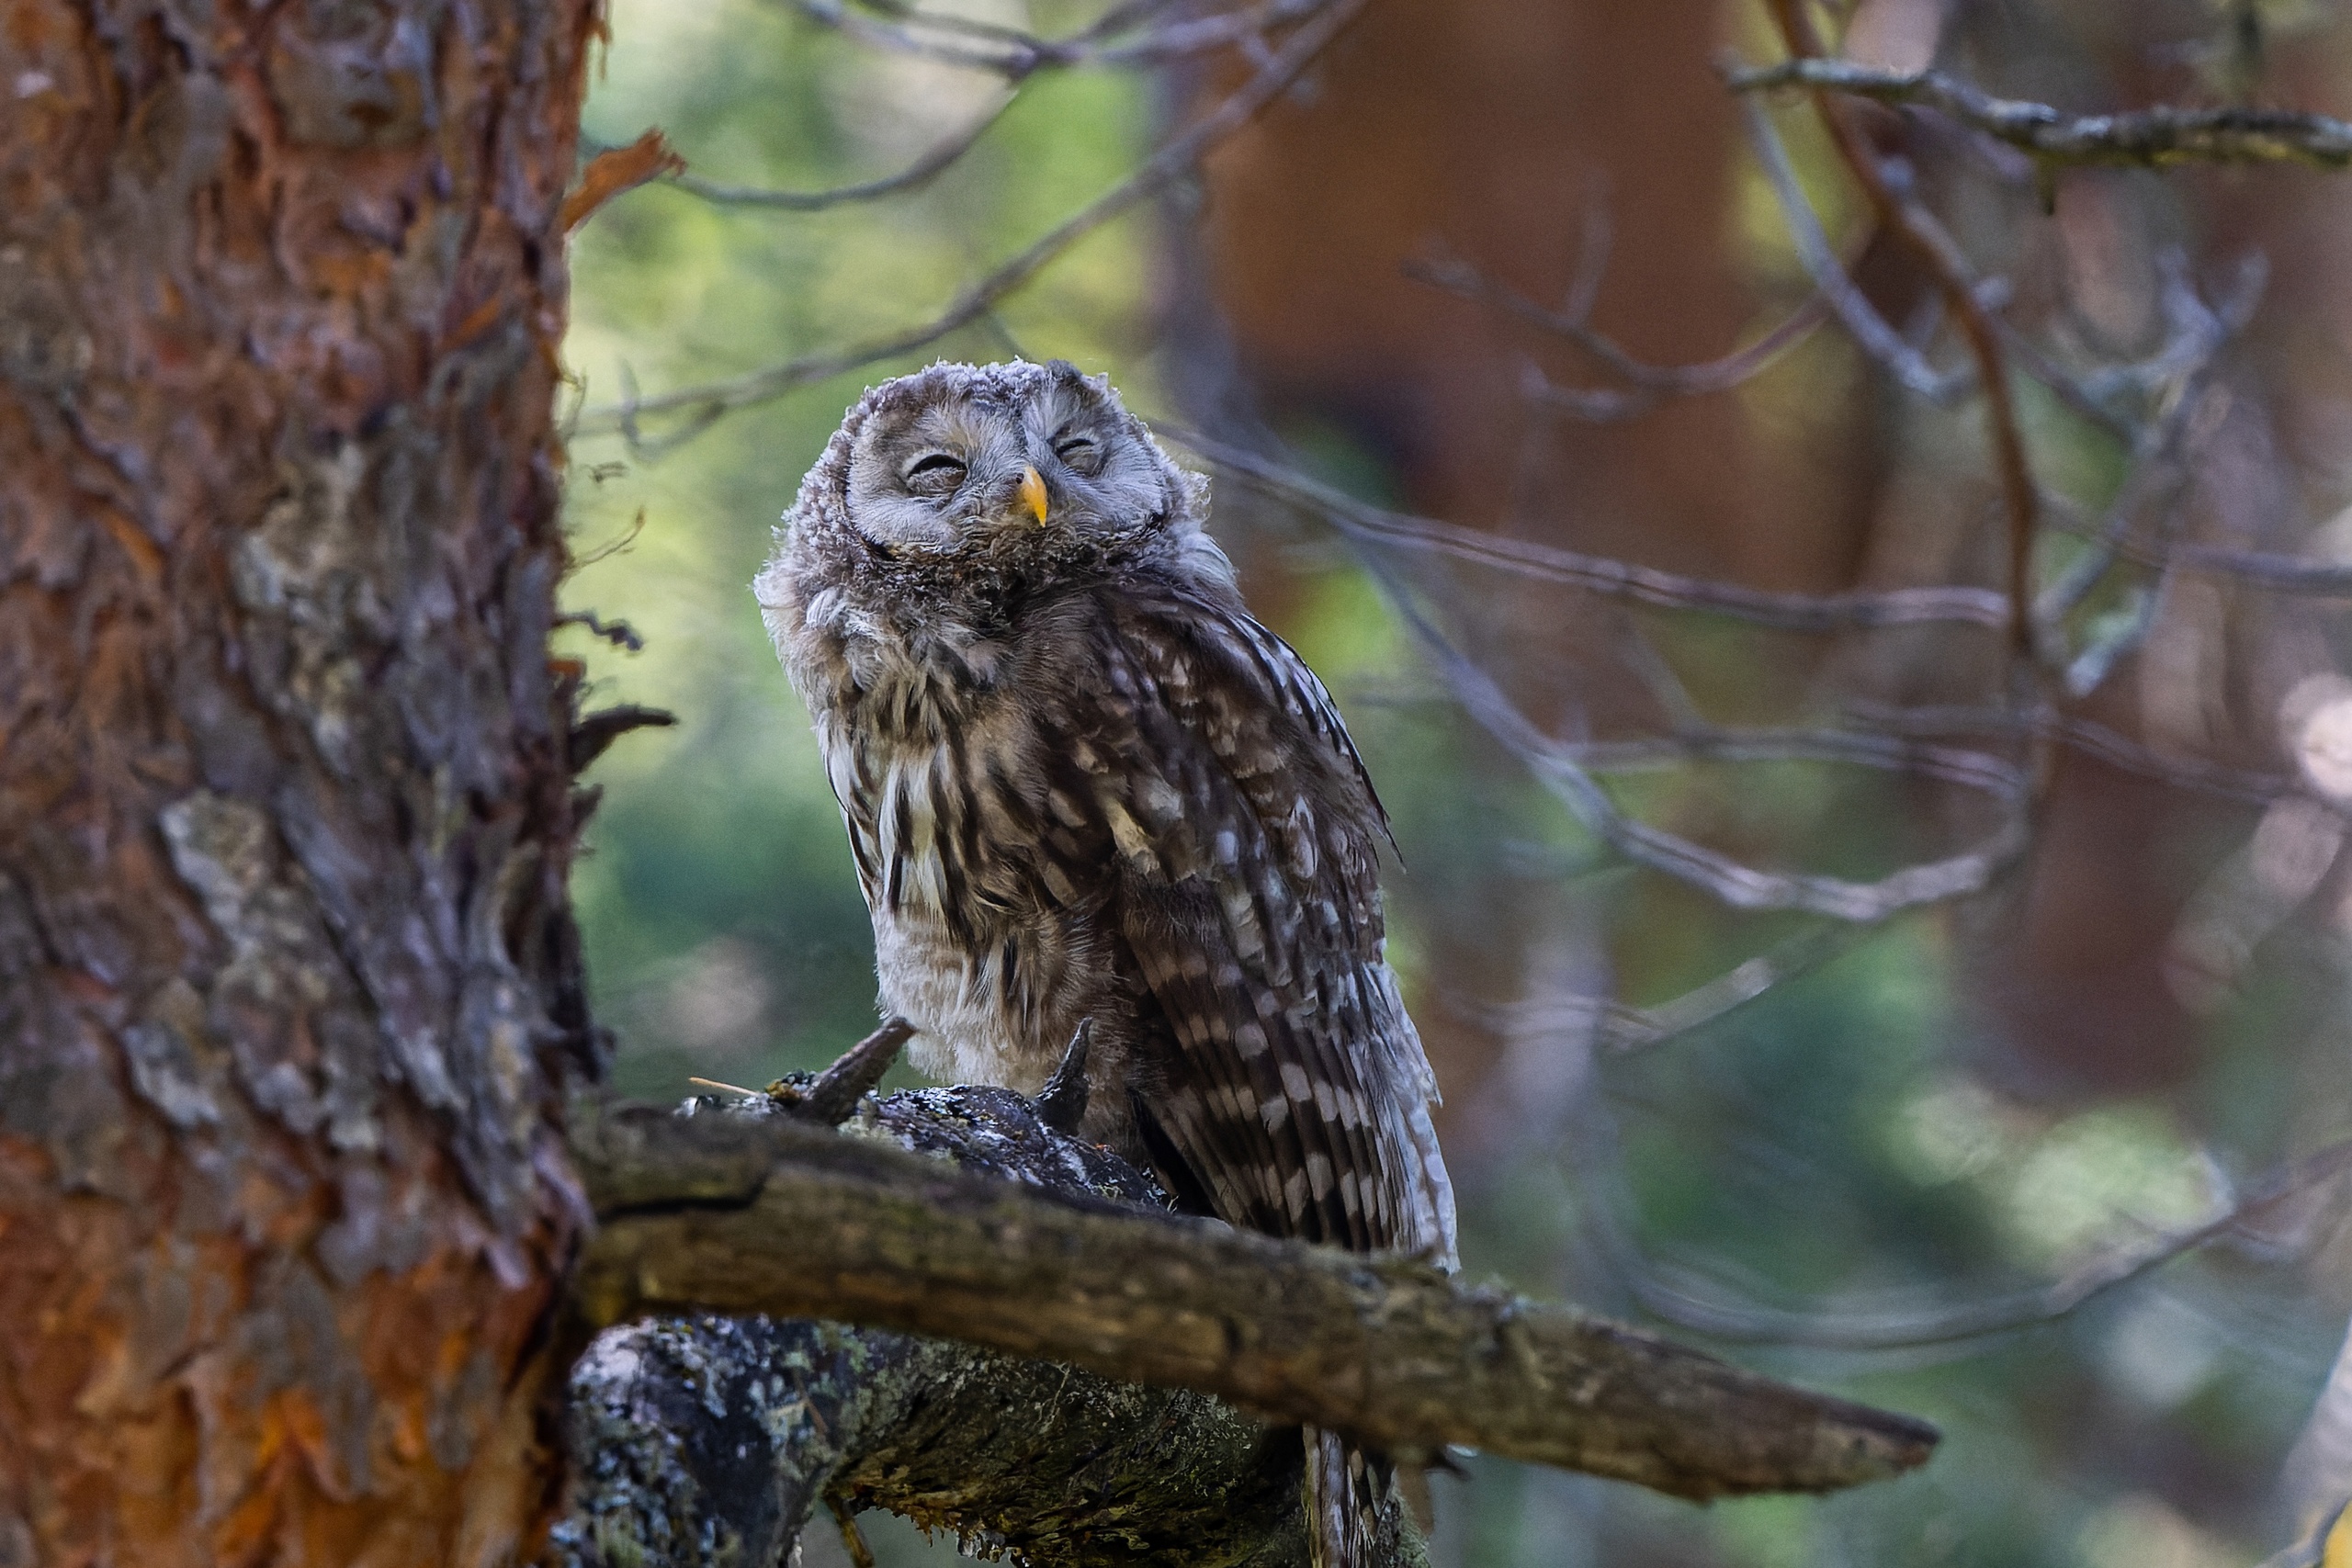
(1293, 1094)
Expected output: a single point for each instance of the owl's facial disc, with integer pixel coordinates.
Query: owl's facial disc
(949, 465)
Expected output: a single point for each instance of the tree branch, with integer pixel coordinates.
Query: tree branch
(1651, 385)
(1606, 575)
(738, 1215)
(700, 407)
(1680, 1297)
(2151, 138)
(706, 1439)
(1556, 764)
(935, 161)
(1899, 209)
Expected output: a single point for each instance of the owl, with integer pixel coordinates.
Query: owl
(1084, 787)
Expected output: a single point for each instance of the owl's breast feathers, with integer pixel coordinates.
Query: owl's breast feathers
(1135, 803)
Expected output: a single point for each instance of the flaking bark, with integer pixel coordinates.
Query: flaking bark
(290, 997)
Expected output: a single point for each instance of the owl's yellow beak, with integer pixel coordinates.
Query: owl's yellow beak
(1033, 492)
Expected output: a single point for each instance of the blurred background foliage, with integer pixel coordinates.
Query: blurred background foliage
(1952, 1107)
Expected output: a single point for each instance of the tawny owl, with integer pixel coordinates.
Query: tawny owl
(1081, 784)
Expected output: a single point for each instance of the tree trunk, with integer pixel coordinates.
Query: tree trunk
(289, 996)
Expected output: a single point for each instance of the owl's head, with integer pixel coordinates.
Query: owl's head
(1018, 468)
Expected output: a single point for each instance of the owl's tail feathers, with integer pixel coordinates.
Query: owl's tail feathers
(1353, 1514)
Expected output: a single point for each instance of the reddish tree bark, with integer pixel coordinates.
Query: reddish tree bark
(289, 996)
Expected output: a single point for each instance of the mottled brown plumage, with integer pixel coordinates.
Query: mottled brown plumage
(1082, 784)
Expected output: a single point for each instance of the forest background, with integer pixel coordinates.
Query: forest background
(1915, 1160)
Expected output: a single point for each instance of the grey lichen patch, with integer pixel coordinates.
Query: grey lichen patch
(165, 1045)
(282, 1002)
(311, 567)
(702, 1440)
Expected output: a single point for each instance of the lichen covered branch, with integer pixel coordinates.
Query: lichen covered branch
(2151, 136)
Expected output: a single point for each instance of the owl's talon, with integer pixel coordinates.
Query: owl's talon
(1061, 1104)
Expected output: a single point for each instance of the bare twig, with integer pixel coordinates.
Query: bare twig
(732, 1214)
(2151, 136)
(1734, 884)
(1909, 220)
(1599, 574)
(1876, 336)
(1677, 1299)
(1717, 743)
(2272, 572)
(1014, 53)
(940, 157)
(614, 170)
(596, 732)
(1651, 384)
(2279, 575)
(1625, 1028)
(620, 634)
(1619, 1028)
(1558, 764)
(2094, 739)
(2163, 450)
(702, 406)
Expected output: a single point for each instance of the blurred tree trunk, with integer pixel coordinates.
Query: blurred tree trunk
(289, 994)
(1499, 134)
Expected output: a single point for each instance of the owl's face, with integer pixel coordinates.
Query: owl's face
(960, 457)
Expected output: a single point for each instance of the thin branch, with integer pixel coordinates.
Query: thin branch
(2163, 452)
(1014, 53)
(1600, 574)
(829, 1098)
(1877, 336)
(1899, 209)
(2279, 574)
(1740, 885)
(1652, 384)
(1621, 1028)
(2094, 739)
(922, 172)
(2265, 570)
(1556, 764)
(2151, 138)
(1678, 1301)
(594, 733)
(1719, 743)
(738, 1215)
(1625, 1028)
(2186, 772)
(2200, 333)
(700, 407)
